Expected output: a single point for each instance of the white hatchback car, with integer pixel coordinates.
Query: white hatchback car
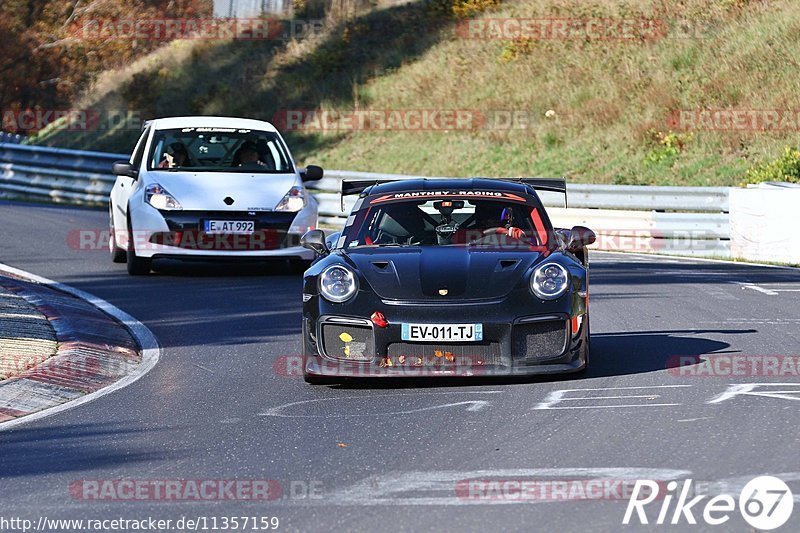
(210, 188)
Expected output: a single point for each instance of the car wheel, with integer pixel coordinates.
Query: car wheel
(588, 344)
(137, 266)
(118, 255)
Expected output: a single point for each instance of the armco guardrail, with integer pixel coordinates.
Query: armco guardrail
(682, 220)
(56, 174)
(685, 220)
(11, 138)
(634, 197)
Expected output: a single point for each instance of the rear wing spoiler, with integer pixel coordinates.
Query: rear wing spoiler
(350, 187)
(358, 186)
(558, 185)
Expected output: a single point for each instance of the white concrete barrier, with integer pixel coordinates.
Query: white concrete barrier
(764, 222)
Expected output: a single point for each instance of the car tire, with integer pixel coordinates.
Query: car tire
(137, 266)
(118, 255)
(588, 345)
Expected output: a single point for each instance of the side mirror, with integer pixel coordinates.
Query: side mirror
(332, 239)
(123, 168)
(311, 173)
(580, 237)
(315, 240)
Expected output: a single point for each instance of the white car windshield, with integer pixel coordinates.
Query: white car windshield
(219, 150)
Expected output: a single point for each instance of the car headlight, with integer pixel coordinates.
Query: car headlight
(158, 197)
(294, 201)
(549, 281)
(337, 283)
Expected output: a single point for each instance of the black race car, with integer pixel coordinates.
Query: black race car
(462, 277)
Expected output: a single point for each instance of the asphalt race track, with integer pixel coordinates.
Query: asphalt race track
(389, 457)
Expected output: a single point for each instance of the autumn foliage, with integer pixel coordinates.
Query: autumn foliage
(47, 58)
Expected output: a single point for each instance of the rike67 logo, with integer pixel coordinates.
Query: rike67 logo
(765, 503)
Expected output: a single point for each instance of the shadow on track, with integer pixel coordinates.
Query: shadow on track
(613, 354)
(622, 271)
(193, 303)
(74, 448)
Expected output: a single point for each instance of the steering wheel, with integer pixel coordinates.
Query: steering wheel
(513, 232)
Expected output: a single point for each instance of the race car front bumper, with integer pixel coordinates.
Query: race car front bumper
(537, 344)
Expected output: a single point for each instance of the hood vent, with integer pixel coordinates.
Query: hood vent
(507, 264)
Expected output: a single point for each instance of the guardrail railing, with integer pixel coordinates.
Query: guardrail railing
(56, 174)
(685, 220)
(11, 138)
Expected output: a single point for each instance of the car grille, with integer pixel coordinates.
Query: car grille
(271, 231)
(442, 354)
(539, 340)
(198, 240)
(348, 342)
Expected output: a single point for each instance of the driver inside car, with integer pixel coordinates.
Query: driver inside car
(490, 218)
(247, 157)
(177, 156)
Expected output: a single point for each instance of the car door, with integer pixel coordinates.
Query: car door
(124, 185)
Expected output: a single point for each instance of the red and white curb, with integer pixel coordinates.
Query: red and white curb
(95, 355)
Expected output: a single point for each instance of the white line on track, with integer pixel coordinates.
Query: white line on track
(151, 351)
(759, 289)
(686, 258)
(474, 405)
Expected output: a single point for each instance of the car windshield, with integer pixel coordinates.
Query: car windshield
(219, 150)
(448, 222)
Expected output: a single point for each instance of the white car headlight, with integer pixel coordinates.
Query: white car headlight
(158, 197)
(294, 201)
(337, 283)
(549, 281)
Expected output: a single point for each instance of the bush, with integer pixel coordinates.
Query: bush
(784, 168)
(513, 49)
(666, 146)
(460, 9)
